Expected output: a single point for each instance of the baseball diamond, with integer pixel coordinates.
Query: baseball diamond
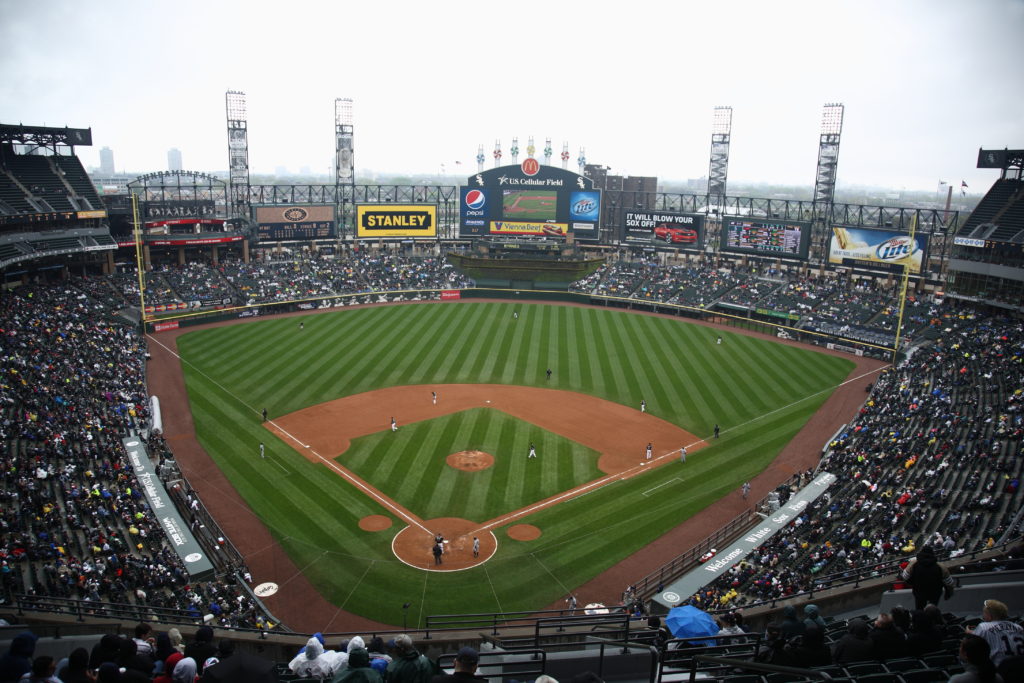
(340, 382)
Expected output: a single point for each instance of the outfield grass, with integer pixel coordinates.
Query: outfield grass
(760, 393)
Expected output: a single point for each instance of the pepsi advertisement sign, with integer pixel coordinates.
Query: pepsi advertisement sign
(473, 211)
(532, 193)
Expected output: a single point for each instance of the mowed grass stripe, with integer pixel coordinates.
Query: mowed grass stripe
(579, 538)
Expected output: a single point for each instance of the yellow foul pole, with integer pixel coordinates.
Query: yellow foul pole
(903, 285)
(138, 258)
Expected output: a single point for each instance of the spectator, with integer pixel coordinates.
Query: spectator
(924, 635)
(315, 662)
(728, 626)
(1004, 637)
(887, 640)
(77, 668)
(105, 651)
(18, 659)
(201, 648)
(358, 669)
(144, 641)
(855, 645)
(43, 668)
(184, 671)
(812, 617)
(168, 668)
(809, 649)
(791, 624)
(771, 651)
(409, 666)
(928, 579)
(978, 666)
(176, 640)
(129, 658)
(239, 667)
(466, 662)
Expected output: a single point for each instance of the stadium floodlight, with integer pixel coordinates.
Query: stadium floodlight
(721, 121)
(343, 111)
(832, 119)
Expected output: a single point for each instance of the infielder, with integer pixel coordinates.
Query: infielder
(533, 451)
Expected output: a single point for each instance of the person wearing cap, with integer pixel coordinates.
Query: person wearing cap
(1004, 637)
(409, 666)
(465, 668)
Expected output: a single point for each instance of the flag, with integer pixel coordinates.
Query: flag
(458, 163)
(963, 188)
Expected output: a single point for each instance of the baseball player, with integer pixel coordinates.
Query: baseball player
(746, 489)
(643, 406)
(533, 451)
(682, 454)
(476, 547)
(650, 452)
(433, 397)
(394, 425)
(261, 450)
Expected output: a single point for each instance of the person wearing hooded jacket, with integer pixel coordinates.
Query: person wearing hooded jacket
(812, 617)
(18, 660)
(358, 669)
(856, 645)
(791, 625)
(202, 648)
(315, 662)
(927, 578)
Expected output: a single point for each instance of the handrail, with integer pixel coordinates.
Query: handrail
(756, 666)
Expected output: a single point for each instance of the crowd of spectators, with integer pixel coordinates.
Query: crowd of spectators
(75, 522)
(934, 456)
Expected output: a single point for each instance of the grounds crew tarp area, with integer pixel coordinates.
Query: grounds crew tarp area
(696, 579)
(191, 553)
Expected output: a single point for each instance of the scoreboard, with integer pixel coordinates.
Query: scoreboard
(765, 237)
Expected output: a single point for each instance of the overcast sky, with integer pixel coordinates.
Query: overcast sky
(925, 83)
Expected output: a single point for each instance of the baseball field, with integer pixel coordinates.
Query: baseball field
(337, 484)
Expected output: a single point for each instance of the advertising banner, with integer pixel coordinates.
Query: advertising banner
(185, 208)
(197, 564)
(885, 249)
(304, 222)
(523, 199)
(526, 228)
(396, 220)
(450, 294)
(678, 229)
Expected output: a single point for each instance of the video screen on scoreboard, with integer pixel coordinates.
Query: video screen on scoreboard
(529, 205)
(766, 237)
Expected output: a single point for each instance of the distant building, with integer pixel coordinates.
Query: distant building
(174, 159)
(106, 161)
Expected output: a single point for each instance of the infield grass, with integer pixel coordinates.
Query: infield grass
(385, 460)
(759, 392)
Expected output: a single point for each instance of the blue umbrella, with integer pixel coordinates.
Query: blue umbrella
(688, 621)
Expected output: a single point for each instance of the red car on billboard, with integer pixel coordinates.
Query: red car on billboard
(675, 235)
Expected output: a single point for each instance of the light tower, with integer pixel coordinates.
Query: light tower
(514, 151)
(718, 173)
(547, 151)
(344, 159)
(497, 153)
(480, 158)
(238, 153)
(565, 156)
(825, 177)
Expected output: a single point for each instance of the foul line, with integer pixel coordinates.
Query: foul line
(398, 511)
(636, 469)
(666, 483)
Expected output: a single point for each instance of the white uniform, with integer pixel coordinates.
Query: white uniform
(1004, 638)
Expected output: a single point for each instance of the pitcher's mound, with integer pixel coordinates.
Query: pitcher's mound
(470, 461)
(523, 532)
(375, 523)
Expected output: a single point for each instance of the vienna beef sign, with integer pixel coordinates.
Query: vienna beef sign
(396, 220)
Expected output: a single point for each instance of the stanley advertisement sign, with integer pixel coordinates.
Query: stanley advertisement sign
(396, 220)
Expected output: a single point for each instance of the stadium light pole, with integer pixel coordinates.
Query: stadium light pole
(138, 259)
